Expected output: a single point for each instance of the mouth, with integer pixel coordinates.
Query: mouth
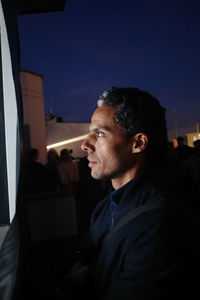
(92, 162)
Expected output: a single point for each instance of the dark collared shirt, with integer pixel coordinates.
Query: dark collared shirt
(114, 203)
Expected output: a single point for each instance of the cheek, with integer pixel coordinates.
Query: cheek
(113, 153)
(123, 149)
(122, 154)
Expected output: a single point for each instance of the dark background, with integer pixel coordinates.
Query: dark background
(94, 45)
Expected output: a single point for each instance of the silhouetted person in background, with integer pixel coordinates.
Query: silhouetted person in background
(52, 168)
(183, 151)
(138, 245)
(189, 173)
(37, 175)
(68, 171)
(71, 153)
(197, 148)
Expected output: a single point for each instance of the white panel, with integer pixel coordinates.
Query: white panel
(11, 117)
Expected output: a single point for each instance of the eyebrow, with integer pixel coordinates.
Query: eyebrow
(97, 128)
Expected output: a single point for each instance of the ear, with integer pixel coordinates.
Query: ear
(140, 141)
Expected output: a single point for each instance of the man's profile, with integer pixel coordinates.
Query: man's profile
(138, 243)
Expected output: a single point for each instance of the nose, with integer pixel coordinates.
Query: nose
(87, 145)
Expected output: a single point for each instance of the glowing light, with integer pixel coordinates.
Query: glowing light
(76, 139)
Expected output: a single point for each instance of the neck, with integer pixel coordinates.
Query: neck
(118, 182)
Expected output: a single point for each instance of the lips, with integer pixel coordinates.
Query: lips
(92, 162)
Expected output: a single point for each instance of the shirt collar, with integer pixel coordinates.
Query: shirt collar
(115, 195)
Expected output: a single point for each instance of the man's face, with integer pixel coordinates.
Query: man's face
(109, 150)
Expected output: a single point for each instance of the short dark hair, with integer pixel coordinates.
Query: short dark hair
(138, 111)
(65, 154)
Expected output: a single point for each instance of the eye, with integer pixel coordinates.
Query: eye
(100, 134)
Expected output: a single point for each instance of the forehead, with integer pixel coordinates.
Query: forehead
(104, 117)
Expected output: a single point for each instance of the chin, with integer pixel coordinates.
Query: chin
(96, 176)
(99, 176)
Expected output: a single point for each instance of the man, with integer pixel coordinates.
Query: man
(183, 151)
(137, 246)
(68, 171)
(190, 173)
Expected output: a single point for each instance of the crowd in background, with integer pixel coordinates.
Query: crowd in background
(59, 172)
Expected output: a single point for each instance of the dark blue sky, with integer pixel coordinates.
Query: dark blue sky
(96, 44)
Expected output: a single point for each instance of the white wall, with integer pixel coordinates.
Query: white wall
(33, 109)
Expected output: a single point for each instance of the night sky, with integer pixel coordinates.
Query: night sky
(96, 44)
